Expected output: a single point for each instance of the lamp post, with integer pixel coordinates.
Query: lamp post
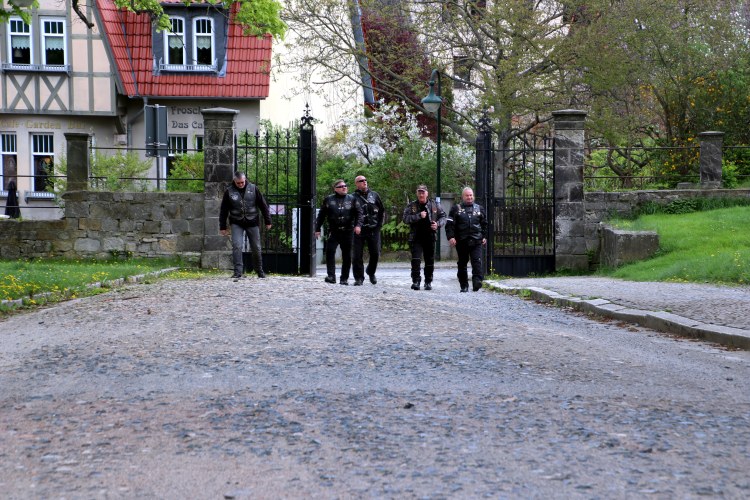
(432, 103)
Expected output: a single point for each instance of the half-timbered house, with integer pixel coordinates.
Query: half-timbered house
(58, 75)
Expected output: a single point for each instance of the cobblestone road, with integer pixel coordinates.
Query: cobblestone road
(293, 388)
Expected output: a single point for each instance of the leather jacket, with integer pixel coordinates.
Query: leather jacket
(372, 209)
(466, 222)
(343, 213)
(418, 226)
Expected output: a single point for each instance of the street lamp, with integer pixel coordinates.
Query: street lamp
(432, 103)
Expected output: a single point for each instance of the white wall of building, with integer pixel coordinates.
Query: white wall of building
(290, 91)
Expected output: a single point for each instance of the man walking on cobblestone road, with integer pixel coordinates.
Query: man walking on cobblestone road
(373, 212)
(343, 215)
(466, 230)
(424, 216)
(243, 203)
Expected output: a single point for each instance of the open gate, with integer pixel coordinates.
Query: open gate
(516, 184)
(283, 167)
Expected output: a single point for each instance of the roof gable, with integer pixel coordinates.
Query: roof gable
(129, 35)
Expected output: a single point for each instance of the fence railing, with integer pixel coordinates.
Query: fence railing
(642, 168)
(118, 169)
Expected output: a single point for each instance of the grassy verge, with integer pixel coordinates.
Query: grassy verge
(40, 281)
(711, 246)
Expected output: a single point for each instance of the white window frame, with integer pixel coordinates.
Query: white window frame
(48, 37)
(11, 33)
(8, 148)
(178, 145)
(41, 145)
(171, 34)
(198, 23)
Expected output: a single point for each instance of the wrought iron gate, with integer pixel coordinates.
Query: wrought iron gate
(516, 184)
(283, 167)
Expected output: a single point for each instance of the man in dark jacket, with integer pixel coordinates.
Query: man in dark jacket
(343, 214)
(466, 230)
(244, 203)
(374, 212)
(424, 216)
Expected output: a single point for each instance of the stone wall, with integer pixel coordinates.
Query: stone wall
(602, 206)
(622, 246)
(104, 224)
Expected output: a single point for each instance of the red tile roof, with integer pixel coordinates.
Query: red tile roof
(129, 36)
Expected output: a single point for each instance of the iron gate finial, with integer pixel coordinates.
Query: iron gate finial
(307, 118)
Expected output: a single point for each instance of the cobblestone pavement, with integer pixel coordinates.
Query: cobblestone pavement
(292, 388)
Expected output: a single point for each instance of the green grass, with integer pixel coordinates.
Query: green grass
(62, 279)
(711, 246)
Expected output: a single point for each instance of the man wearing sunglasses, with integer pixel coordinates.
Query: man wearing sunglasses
(374, 212)
(343, 215)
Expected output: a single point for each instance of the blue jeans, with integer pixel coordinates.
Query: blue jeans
(238, 242)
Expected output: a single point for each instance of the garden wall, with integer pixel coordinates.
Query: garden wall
(601, 206)
(106, 224)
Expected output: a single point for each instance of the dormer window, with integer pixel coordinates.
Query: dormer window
(204, 41)
(195, 42)
(175, 43)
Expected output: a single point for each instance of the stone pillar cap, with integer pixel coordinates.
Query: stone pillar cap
(220, 110)
(569, 112)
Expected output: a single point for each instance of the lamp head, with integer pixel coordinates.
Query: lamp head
(432, 102)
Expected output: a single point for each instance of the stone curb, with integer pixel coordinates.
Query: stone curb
(113, 283)
(656, 320)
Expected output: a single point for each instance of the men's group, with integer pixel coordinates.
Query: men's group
(355, 220)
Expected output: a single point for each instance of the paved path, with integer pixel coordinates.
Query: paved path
(715, 313)
(293, 388)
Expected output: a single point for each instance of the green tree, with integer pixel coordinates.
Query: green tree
(632, 64)
(644, 65)
(391, 151)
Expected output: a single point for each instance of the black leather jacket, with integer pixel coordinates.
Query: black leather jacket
(243, 206)
(420, 227)
(466, 222)
(372, 209)
(343, 213)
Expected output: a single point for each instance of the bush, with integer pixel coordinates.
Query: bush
(117, 172)
(187, 174)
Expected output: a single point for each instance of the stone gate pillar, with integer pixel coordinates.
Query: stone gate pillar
(79, 168)
(218, 165)
(570, 240)
(711, 159)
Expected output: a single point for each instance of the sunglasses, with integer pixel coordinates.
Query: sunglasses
(341, 186)
(362, 180)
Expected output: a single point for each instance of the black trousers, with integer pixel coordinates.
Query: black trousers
(371, 238)
(422, 246)
(341, 239)
(469, 250)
